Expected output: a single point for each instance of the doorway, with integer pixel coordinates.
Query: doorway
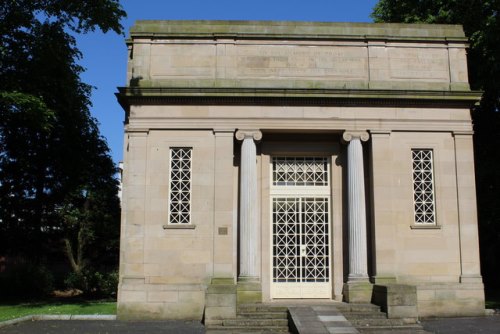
(300, 222)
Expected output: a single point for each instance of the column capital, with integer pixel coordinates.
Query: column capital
(350, 135)
(249, 133)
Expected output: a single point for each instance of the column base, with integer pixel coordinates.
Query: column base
(248, 290)
(359, 291)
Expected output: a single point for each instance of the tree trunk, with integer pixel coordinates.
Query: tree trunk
(76, 266)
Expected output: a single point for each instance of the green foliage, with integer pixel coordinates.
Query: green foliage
(481, 24)
(19, 109)
(58, 194)
(79, 16)
(94, 284)
(25, 279)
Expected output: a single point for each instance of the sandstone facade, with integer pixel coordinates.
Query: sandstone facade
(274, 160)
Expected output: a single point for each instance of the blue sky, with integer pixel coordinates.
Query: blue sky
(104, 55)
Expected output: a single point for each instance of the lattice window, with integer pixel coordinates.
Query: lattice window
(180, 185)
(423, 186)
(300, 239)
(300, 171)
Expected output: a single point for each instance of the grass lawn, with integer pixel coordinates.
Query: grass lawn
(16, 310)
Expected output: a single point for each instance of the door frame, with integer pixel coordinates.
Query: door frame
(329, 149)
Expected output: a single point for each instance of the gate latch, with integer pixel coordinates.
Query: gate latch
(303, 250)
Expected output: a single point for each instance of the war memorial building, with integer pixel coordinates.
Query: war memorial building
(266, 161)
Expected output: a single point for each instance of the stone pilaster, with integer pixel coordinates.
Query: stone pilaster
(382, 198)
(358, 288)
(223, 205)
(467, 211)
(131, 287)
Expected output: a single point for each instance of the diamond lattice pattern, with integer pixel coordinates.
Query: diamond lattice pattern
(180, 185)
(423, 186)
(300, 171)
(300, 239)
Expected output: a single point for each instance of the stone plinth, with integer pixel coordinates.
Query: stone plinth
(220, 301)
(358, 292)
(248, 292)
(397, 300)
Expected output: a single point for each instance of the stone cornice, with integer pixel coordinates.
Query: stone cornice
(301, 97)
(296, 30)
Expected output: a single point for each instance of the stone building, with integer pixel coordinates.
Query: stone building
(268, 161)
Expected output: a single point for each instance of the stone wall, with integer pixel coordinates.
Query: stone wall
(365, 56)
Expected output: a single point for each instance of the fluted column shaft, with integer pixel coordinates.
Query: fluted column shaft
(358, 258)
(249, 226)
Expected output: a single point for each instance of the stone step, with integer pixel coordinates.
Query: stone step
(263, 315)
(345, 307)
(254, 319)
(366, 322)
(408, 329)
(367, 318)
(247, 330)
(364, 315)
(264, 308)
(255, 322)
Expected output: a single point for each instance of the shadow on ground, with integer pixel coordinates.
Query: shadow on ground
(483, 325)
(104, 327)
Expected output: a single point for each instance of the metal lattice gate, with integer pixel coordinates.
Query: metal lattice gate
(300, 201)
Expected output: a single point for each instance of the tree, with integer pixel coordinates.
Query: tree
(53, 162)
(481, 24)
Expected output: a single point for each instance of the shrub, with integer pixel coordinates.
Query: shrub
(94, 283)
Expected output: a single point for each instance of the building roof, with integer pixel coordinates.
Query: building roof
(296, 30)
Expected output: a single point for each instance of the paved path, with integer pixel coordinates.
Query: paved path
(104, 327)
(320, 319)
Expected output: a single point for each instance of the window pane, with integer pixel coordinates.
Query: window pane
(423, 187)
(300, 171)
(180, 185)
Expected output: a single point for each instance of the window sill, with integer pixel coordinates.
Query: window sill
(179, 227)
(425, 227)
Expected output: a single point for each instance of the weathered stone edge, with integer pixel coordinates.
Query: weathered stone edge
(296, 29)
(57, 317)
(159, 92)
(292, 84)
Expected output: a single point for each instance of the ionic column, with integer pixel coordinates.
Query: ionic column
(249, 224)
(358, 258)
